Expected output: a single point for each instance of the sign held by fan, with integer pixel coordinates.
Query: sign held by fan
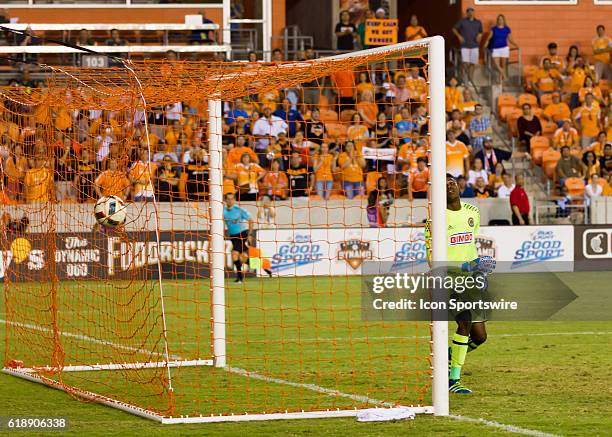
(380, 32)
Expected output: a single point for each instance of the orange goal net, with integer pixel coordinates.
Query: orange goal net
(257, 194)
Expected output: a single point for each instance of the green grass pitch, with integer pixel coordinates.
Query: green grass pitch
(544, 376)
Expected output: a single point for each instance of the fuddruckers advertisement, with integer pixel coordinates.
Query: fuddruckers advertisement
(28, 257)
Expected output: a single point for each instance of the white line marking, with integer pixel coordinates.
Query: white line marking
(313, 387)
(85, 338)
(507, 428)
(412, 337)
(327, 391)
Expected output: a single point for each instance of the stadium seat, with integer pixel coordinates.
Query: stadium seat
(328, 115)
(512, 123)
(503, 112)
(548, 128)
(372, 180)
(528, 98)
(528, 72)
(550, 158)
(575, 187)
(346, 116)
(545, 100)
(504, 101)
(605, 85)
(537, 111)
(507, 113)
(538, 145)
(336, 130)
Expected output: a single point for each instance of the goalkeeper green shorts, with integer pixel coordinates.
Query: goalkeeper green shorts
(469, 297)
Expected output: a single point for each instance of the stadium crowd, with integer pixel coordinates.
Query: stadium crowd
(358, 134)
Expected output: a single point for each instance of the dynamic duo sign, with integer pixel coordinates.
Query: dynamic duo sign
(91, 255)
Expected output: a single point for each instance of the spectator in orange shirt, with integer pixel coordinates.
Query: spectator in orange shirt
(597, 147)
(38, 182)
(453, 95)
(417, 85)
(602, 45)
(324, 167)
(547, 79)
(566, 135)
(367, 108)
(141, 176)
(364, 84)
(344, 81)
(351, 163)
(248, 175)
(419, 179)
(15, 168)
(236, 152)
(590, 87)
(556, 61)
(275, 181)
(457, 155)
(572, 57)
(557, 111)
(112, 182)
(577, 71)
(413, 30)
(587, 117)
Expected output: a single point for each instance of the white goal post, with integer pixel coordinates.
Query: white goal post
(437, 132)
(221, 359)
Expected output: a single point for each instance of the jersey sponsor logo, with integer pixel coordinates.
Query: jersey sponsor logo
(461, 238)
(355, 252)
(299, 252)
(541, 246)
(471, 222)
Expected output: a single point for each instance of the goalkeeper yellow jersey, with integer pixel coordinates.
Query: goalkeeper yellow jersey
(462, 227)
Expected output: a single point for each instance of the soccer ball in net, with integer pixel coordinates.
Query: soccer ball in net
(110, 211)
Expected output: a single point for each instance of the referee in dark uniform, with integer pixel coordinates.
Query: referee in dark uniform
(239, 225)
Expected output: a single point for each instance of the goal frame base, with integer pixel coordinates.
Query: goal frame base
(31, 375)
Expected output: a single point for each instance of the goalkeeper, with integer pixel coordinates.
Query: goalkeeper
(463, 224)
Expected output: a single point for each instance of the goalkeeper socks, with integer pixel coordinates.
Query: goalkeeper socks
(472, 345)
(459, 349)
(238, 265)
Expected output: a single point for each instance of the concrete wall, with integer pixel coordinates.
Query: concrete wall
(533, 27)
(298, 213)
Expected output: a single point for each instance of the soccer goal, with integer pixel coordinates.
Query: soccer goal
(148, 317)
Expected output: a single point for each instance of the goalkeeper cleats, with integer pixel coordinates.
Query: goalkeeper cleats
(455, 386)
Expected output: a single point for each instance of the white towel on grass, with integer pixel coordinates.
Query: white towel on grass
(385, 414)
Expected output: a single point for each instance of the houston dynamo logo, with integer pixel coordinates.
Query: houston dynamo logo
(355, 252)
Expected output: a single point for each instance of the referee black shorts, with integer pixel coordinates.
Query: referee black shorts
(240, 242)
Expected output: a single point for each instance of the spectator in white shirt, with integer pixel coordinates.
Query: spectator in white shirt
(592, 190)
(477, 172)
(265, 129)
(174, 111)
(503, 192)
